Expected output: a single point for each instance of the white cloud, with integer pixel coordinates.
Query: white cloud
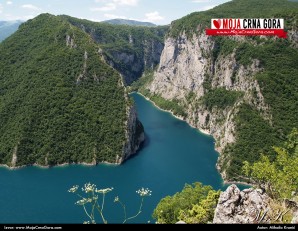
(127, 2)
(1, 8)
(110, 5)
(107, 7)
(200, 1)
(153, 17)
(9, 3)
(30, 7)
(113, 16)
(119, 2)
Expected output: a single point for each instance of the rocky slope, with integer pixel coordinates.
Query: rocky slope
(130, 50)
(240, 207)
(219, 82)
(184, 68)
(60, 102)
(252, 206)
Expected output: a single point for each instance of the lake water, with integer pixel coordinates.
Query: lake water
(173, 154)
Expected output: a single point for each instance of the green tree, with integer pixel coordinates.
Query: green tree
(194, 204)
(278, 177)
(203, 212)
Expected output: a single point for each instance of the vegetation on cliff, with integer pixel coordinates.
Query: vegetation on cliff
(194, 204)
(232, 9)
(278, 81)
(169, 105)
(258, 127)
(130, 50)
(59, 102)
(220, 98)
(279, 178)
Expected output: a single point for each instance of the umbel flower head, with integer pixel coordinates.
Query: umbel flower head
(84, 201)
(88, 188)
(104, 191)
(74, 189)
(144, 192)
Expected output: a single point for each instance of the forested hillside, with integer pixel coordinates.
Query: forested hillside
(59, 101)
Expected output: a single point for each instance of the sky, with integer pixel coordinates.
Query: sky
(160, 12)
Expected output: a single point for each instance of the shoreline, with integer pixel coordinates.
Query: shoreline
(205, 132)
(56, 166)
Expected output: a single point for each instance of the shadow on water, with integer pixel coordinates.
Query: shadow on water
(144, 145)
(179, 123)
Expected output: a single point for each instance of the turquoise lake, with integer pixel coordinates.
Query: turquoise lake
(173, 154)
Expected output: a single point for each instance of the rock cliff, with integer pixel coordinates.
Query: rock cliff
(226, 87)
(135, 136)
(130, 50)
(186, 68)
(235, 206)
(136, 63)
(252, 206)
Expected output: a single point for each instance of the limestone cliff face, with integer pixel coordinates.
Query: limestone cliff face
(129, 49)
(181, 68)
(134, 136)
(252, 206)
(240, 207)
(131, 64)
(188, 66)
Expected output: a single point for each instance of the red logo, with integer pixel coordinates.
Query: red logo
(217, 23)
(247, 27)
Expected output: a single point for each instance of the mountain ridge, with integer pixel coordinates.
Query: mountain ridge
(59, 100)
(129, 22)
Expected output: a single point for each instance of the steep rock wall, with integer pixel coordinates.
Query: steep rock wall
(131, 64)
(252, 206)
(188, 66)
(129, 49)
(135, 136)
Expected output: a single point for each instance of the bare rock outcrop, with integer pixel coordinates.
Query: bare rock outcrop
(247, 206)
(295, 218)
(134, 136)
(135, 64)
